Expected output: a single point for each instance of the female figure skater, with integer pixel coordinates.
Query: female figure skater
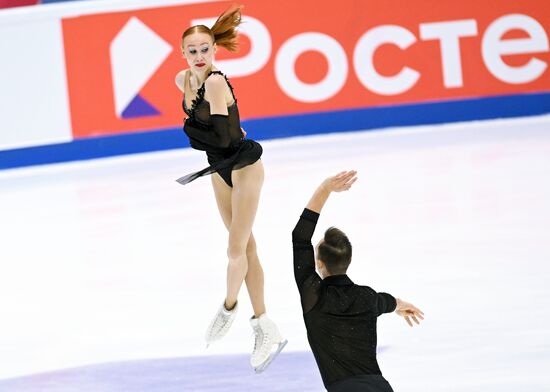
(213, 126)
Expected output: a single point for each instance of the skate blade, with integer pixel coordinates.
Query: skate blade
(271, 358)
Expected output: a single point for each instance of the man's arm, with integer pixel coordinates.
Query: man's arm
(304, 259)
(338, 183)
(387, 303)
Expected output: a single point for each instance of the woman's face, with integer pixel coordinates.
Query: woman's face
(198, 50)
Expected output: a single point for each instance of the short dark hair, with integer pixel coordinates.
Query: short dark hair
(335, 251)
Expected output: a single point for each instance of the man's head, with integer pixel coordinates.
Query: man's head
(333, 253)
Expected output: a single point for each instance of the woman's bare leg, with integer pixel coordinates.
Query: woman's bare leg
(247, 184)
(254, 276)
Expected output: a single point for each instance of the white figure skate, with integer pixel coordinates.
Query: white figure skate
(268, 343)
(220, 324)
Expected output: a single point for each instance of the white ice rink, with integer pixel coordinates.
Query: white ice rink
(111, 260)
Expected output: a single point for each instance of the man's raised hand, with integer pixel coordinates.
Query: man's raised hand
(340, 182)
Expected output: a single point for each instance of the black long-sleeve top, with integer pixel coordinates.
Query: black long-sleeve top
(340, 316)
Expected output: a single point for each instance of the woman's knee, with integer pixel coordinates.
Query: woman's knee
(236, 252)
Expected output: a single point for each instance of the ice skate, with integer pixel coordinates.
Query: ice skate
(220, 324)
(268, 343)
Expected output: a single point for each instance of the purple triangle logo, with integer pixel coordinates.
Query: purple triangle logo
(139, 107)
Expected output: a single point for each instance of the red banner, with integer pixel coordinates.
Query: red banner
(306, 56)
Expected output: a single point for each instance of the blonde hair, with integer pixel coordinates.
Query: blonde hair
(224, 31)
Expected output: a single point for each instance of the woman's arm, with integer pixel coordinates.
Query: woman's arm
(215, 93)
(180, 80)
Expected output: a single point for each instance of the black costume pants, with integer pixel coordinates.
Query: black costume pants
(370, 383)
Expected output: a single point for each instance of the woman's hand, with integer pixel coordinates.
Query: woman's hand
(244, 132)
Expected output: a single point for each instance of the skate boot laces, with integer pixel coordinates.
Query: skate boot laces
(221, 324)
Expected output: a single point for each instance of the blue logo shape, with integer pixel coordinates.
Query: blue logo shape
(139, 107)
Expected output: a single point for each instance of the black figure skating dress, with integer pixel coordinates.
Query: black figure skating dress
(219, 136)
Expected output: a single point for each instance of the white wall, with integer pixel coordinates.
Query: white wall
(34, 105)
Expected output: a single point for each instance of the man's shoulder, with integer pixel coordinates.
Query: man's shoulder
(365, 289)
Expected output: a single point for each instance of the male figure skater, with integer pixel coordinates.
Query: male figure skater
(340, 316)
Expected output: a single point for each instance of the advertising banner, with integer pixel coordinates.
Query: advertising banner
(306, 57)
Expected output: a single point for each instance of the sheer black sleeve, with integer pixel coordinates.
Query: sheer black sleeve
(307, 280)
(220, 126)
(217, 135)
(385, 303)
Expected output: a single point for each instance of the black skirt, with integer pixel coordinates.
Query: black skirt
(224, 160)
